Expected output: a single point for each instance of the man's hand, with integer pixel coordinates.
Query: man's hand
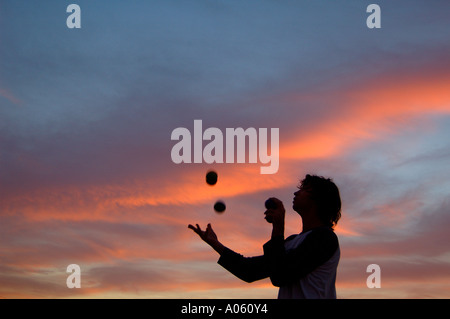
(276, 216)
(209, 236)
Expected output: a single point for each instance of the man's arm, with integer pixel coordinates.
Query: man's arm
(286, 267)
(248, 269)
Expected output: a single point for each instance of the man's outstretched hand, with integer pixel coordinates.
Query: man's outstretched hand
(209, 236)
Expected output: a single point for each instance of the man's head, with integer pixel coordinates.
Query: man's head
(320, 195)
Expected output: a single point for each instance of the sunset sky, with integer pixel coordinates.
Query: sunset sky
(86, 116)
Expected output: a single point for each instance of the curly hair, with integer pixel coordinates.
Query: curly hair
(325, 194)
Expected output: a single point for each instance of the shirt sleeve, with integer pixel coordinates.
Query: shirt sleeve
(248, 269)
(288, 266)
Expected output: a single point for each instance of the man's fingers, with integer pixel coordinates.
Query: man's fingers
(196, 229)
(192, 227)
(269, 212)
(268, 215)
(209, 229)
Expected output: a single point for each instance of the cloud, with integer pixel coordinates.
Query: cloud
(10, 97)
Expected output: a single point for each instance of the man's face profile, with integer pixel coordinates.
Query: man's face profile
(302, 199)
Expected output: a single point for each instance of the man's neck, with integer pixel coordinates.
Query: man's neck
(310, 224)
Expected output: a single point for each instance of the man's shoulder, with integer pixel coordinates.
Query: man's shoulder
(291, 237)
(323, 237)
(318, 231)
(318, 234)
(323, 230)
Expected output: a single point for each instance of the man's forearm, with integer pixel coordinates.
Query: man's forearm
(217, 246)
(278, 230)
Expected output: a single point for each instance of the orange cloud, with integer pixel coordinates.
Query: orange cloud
(363, 113)
(367, 112)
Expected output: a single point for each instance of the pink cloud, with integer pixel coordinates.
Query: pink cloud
(10, 97)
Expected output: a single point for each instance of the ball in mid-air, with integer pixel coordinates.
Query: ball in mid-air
(211, 178)
(219, 207)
